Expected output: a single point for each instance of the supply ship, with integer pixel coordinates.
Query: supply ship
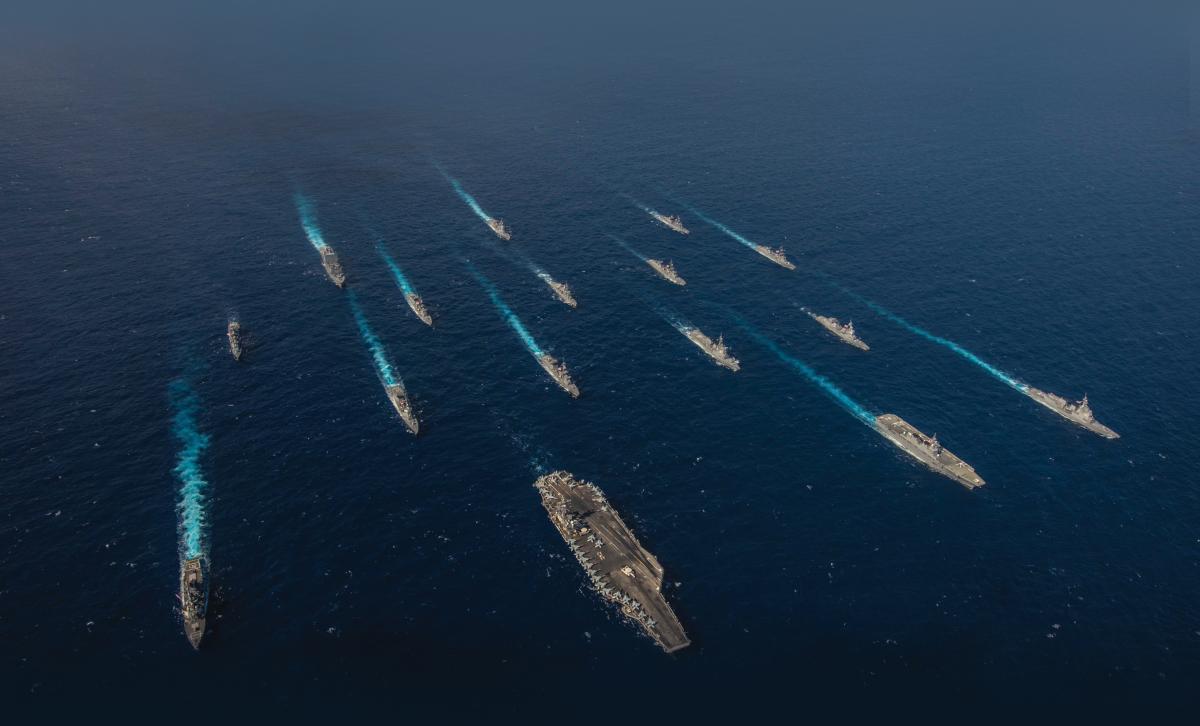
(775, 255)
(844, 331)
(927, 450)
(560, 290)
(399, 398)
(234, 332)
(418, 307)
(193, 598)
(621, 570)
(558, 372)
(1078, 413)
(714, 349)
(333, 266)
(673, 222)
(499, 228)
(666, 270)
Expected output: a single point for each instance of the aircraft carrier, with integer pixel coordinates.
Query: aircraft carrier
(620, 568)
(234, 332)
(558, 372)
(926, 450)
(193, 598)
(497, 226)
(673, 222)
(333, 266)
(666, 270)
(775, 256)
(844, 331)
(714, 349)
(1079, 413)
(418, 307)
(560, 290)
(399, 398)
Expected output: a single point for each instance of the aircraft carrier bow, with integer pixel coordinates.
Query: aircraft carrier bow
(927, 450)
(620, 568)
(333, 266)
(666, 270)
(1079, 413)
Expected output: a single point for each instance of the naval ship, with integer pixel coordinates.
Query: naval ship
(621, 570)
(674, 223)
(418, 307)
(333, 267)
(558, 372)
(926, 450)
(399, 398)
(715, 349)
(1078, 413)
(666, 270)
(235, 339)
(775, 256)
(193, 598)
(498, 227)
(560, 290)
(845, 331)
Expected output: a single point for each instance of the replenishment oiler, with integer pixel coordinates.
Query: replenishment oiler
(673, 222)
(193, 598)
(399, 398)
(715, 349)
(775, 256)
(844, 331)
(497, 226)
(666, 270)
(234, 332)
(333, 267)
(621, 570)
(558, 372)
(1078, 413)
(418, 307)
(927, 450)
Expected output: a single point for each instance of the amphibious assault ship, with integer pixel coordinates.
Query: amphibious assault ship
(666, 270)
(674, 222)
(845, 331)
(234, 332)
(926, 450)
(558, 372)
(399, 398)
(1078, 413)
(714, 349)
(193, 598)
(333, 267)
(560, 290)
(775, 255)
(620, 568)
(498, 227)
(418, 308)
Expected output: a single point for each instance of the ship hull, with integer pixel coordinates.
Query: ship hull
(781, 261)
(194, 613)
(725, 361)
(333, 267)
(403, 406)
(235, 342)
(1094, 426)
(902, 434)
(830, 326)
(666, 274)
(548, 364)
(418, 308)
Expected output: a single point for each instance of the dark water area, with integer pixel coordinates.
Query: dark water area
(1019, 180)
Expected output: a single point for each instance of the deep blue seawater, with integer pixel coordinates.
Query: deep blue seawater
(1022, 182)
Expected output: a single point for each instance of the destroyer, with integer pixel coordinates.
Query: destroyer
(775, 256)
(1078, 413)
(714, 349)
(399, 398)
(620, 568)
(333, 267)
(560, 290)
(674, 222)
(234, 332)
(193, 598)
(558, 372)
(418, 307)
(666, 270)
(926, 450)
(844, 331)
(497, 226)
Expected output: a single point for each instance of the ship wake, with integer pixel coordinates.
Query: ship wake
(308, 220)
(464, 195)
(506, 312)
(628, 248)
(397, 274)
(192, 498)
(383, 366)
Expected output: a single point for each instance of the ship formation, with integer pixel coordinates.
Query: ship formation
(672, 222)
(193, 598)
(666, 270)
(417, 305)
(1078, 413)
(333, 266)
(714, 349)
(775, 255)
(844, 331)
(234, 333)
(927, 450)
(399, 398)
(558, 371)
(621, 570)
(498, 226)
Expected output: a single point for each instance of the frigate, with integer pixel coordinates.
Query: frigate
(234, 333)
(1079, 413)
(673, 222)
(715, 349)
(775, 255)
(333, 266)
(418, 307)
(193, 598)
(558, 372)
(399, 398)
(666, 270)
(498, 226)
(927, 450)
(560, 289)
(844, 331)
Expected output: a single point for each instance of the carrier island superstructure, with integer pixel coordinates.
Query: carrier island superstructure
(622, 571)
(927, 450)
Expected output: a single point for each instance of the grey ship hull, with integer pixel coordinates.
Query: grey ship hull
(194, 613)
(704, 343)
(399, 399)
(333, 267)
(234, 334)
(418, 307)
(665, 273)
(830, 324)
(1056, 403)
(564, 381)
(911, 441)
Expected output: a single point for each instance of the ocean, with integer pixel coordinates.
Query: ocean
(987, 193)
